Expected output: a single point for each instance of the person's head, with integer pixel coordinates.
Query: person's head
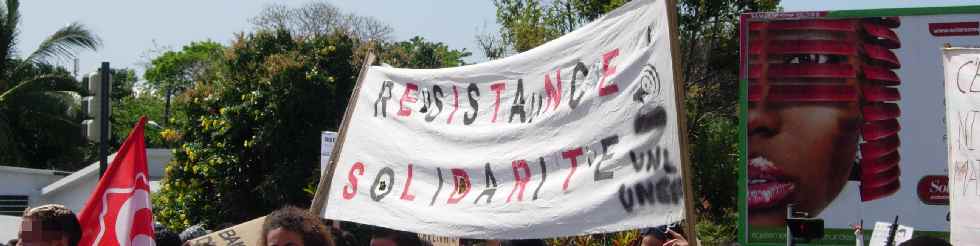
(925, 241)
(49, 225)
(807, 107)
(526, 242)
(291, 226)
(388, 237)
(192, 232)
(12, 242)
(658, 235)
(654, 236)
(164, 237)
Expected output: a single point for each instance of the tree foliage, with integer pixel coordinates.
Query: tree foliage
(126, 112)
(174, 71)
(39, 103)
(253, 134)
(419, 53)
(123, 80)
(251, 131)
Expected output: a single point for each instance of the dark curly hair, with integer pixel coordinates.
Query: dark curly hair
(297, 220)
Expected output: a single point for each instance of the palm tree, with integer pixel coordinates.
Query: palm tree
(39, 106)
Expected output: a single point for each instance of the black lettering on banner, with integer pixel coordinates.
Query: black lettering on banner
(573, 99)
(967, 131)
(668, 166)
(535, 107)
(436, 95)
(471, 90)
(438, 189)
(606, 155)
(974, 176)
(663, 191)
(645, 194)
(518, 106)
(383, 185)
(649, 85)
(491, 185)
(626, 198)
(384, 95)
(676, 190)
(976, 72)
(650, 119)
(231, 238)
(426, 98)
(544, 176)
(643, 159)
(648, 193)
(655, 159)
(649, 35)
(960, 172)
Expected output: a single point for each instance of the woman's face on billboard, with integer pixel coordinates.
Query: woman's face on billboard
(799, 153)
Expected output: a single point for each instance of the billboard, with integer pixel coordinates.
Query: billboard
(842, 116)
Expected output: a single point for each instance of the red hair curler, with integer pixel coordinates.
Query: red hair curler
(836, 61)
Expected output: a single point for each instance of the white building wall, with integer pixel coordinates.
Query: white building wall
(44, 186)
(26, 182)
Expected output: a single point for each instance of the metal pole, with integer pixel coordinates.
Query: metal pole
(104, 119)
(789, 232)
(891, 233)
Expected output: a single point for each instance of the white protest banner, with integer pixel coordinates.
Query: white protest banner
(327, 141)
(962, 68)
(577, 136)
(879, 237)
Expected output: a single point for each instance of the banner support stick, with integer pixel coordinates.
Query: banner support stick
(679, 94)
(323, 188)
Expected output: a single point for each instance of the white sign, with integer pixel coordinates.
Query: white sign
(879, 237)
(962, 68)
(327, 140)
(576, 136)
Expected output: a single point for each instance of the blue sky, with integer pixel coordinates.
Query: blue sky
(131, 29)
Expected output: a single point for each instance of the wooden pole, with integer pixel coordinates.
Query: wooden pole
(323, 188)
(679, 93)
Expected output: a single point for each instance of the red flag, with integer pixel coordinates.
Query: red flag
(118, 211)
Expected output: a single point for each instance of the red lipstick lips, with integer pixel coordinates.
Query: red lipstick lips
(768, 186)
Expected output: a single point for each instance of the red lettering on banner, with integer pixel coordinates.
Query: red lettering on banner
(554, 92)
(461, 181)
(350, 191)
(497, 88)
(455, 105)
(408, 182)
(572, 156)
(519, 182)
(606, 71)
(407, 97)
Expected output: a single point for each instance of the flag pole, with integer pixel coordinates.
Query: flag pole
(690, 216)
(323, 188)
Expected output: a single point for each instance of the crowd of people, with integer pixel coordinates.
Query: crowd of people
(56, 225)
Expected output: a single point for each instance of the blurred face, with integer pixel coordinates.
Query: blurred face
(31, 234)
(651, 241)
(799, 153)
(283, 237)
(382, 242)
